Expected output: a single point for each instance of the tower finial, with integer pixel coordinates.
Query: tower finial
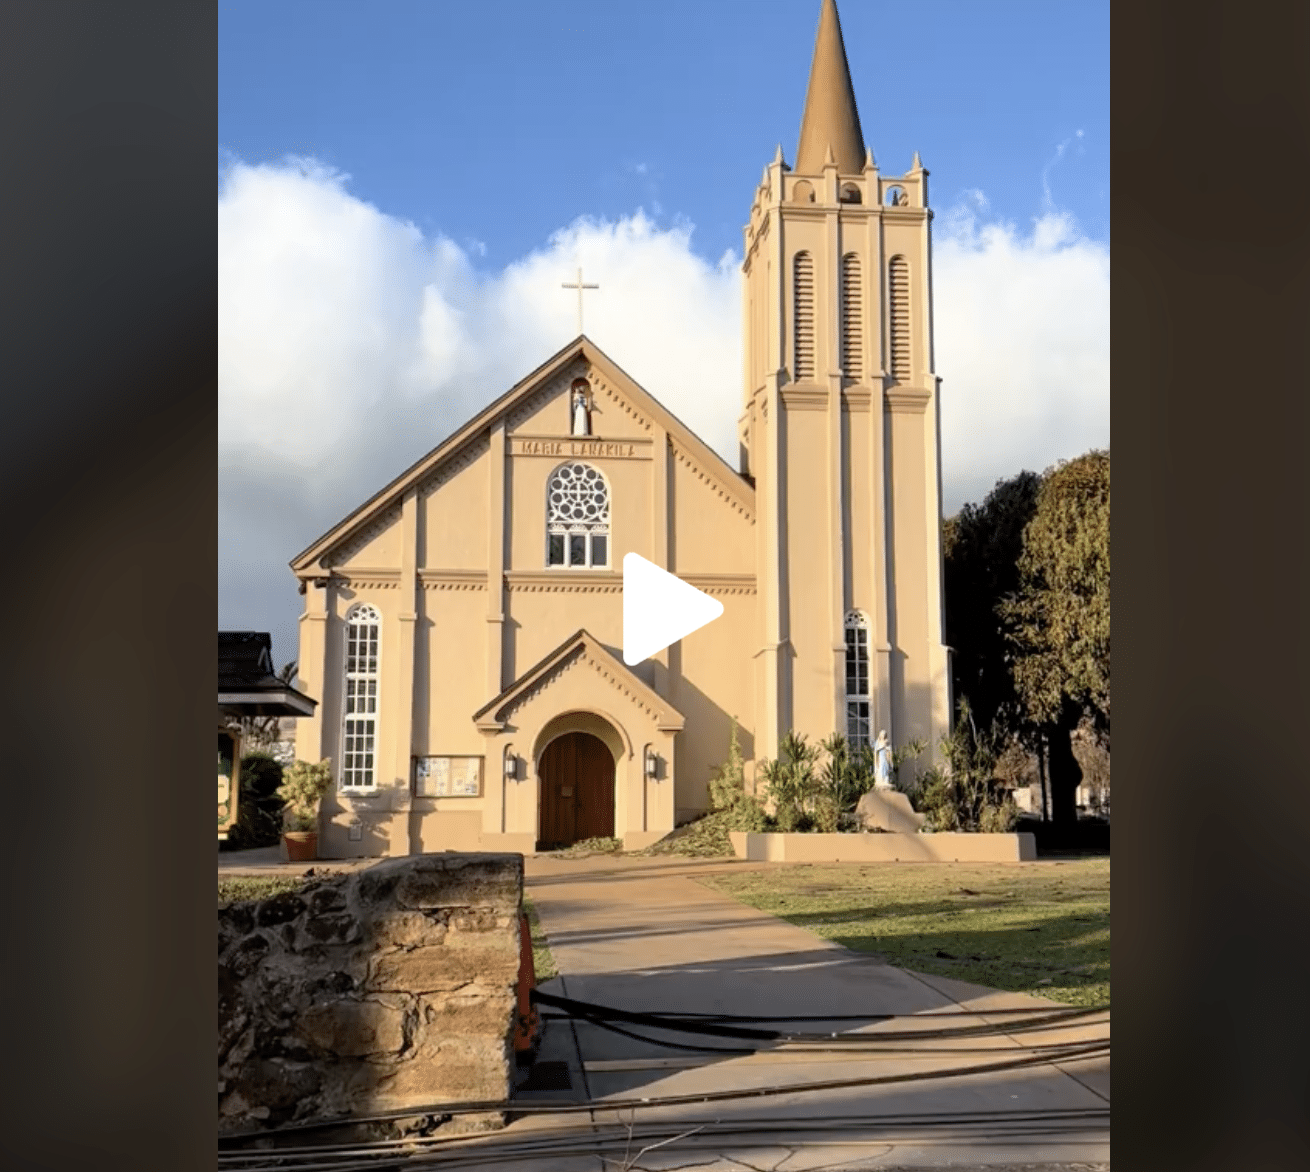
(830, 118)
(916, 166)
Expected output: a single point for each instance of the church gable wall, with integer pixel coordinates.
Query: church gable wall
(453, 521)
(710, 532)
(375, 545)
(450, 676)
(545, 611)
(629, 504)
(548, 411)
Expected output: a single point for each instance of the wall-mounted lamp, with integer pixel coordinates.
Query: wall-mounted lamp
(652, 763)
(511, 766)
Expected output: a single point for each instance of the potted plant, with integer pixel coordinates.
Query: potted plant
(302, 788)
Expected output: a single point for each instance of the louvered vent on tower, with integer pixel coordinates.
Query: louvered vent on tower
(852, 318)
(899, 315)
(803, 292)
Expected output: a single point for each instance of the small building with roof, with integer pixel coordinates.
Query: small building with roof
(247, 686)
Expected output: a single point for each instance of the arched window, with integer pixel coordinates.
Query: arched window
(898, 314)
(852, 318)
(359, 736)
(858, 697)
(850, 194)
(803, 318)
(577, 517)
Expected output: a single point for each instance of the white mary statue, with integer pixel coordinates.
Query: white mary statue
(882, 761)
(580, 422)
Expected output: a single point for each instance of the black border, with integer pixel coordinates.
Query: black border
(1211, 139)
(107, 462)
(107, 458)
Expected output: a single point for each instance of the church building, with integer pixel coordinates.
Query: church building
(462, 629)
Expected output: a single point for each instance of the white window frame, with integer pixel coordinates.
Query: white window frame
(558, 525)
(356, 683)
(859, 703)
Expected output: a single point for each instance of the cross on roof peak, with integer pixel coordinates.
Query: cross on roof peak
(579, 286)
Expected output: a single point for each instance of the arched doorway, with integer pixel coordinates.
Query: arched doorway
(577, 790)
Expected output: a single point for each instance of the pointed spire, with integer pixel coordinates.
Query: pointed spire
(916, 165)
(830, 121)
(828, 160)
(869, 163)
(777, 158)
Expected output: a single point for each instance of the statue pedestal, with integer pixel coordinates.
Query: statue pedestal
(888, 809)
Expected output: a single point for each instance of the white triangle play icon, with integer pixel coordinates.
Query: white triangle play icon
(659, 609)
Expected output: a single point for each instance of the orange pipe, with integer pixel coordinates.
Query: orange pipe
(526, 1020)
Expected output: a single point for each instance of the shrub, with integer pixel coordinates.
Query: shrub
(259, 809)
(302, 788)
(728, 796)
(792, 783)
(846, 775)
(966, 795)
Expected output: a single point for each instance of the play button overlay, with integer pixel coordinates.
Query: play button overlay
(659, 609)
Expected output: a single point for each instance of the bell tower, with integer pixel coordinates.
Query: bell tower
(840, 433)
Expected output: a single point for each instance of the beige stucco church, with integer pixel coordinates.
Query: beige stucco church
(462, 629)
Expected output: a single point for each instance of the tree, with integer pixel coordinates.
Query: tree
(259, 732)
(982, 545)
(1058, 621)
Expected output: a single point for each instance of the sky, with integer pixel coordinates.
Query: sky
(403, 186)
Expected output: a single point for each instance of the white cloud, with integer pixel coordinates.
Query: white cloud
(1023, 347)
(350, 344)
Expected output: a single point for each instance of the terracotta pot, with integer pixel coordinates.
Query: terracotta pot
(302, 845)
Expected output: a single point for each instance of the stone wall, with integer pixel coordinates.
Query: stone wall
(382, 990)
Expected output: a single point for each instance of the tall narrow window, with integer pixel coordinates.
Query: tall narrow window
(803, 317)
(852, 318)
(359, 743)
(898, 296)
(857, 680)
(577, 518)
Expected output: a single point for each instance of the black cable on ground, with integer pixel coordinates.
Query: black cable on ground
(476, 1149)
(1020, 1009)
(841, 1044)
(589, 1009)
(522, 1108)
(878, 1046)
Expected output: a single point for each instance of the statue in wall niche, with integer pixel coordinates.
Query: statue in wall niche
(882, 770)
(581, 416)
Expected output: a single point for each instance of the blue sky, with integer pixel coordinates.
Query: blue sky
(462, 116)
(402, 188)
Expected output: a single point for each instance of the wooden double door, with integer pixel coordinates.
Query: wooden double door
(577, 790)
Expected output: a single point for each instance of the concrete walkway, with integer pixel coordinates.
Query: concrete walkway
(643, 934)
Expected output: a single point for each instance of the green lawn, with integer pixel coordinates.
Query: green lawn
(235, 888)
(1041, 928)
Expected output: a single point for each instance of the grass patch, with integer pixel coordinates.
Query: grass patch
(1037, 928)
(238, 888)
(543, 963)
